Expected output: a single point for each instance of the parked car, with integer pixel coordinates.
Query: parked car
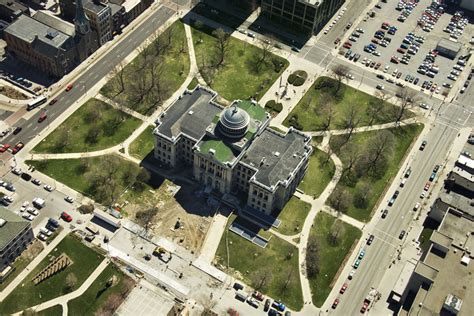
(423, 145)
(266, 307)
(69, 87)
(384, 213)
(343, 288)
(278, 306)
(370, 240)
(36, 181)
(335, 303)
(238, 286)
(48, 188)
(69, 199)
(65, 216)
(28, 216)
(402, 234)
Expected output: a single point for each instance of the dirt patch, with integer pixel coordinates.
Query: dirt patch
(33, 250)
(12, 93)
(177, 203)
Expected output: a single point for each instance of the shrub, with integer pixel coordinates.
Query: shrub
(273, 106)
(297, 78)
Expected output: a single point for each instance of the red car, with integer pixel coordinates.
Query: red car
(53, 101)
(258, 295)
(427, 186)
(65, 216)
(343, 288)
(42, 117)
(69, 87)
(4, 148)
(401, 50)
(18, 147)
(336, 302)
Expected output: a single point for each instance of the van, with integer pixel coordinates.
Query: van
(402, 184)
(461, 62)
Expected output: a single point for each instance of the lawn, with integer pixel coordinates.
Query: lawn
(143, 144)
(292, 216)
(22, 261)
(319, 174)
(95, 125)
(166, 60)
(360, 188)
(272, 266)
(101, 178)
(56, 310)
(238, 77)
(424, 238)
(330, 256)
(98, 294)
(312, 111)
(84, 259)
(193, 84)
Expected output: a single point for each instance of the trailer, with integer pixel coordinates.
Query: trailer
(107, 218)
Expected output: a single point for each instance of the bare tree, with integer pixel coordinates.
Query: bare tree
(288, 280)
(350, 121)
(362, 195)
(266, 49)
(222, 45)
(312, 257)
(340, 199)
(340, 73)
(118, 77)
(145, 217)
(376, 106)
(379, 146)
(261, 278)
(352, 156)
(336, 232)
(70, 283)
(406, 99)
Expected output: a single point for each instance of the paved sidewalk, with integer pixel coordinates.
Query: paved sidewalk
(33, 264)
(62, 300)
(213, 237)
(117, 106)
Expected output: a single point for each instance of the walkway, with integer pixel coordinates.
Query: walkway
(122, 108)
(63, 300)
(33, 264)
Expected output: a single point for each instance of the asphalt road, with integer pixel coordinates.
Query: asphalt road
(386, 231)
(90, 77)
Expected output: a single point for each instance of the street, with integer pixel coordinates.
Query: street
(89, 78)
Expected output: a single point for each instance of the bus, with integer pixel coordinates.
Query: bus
(36, 102)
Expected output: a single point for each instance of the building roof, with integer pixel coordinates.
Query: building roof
(13, 6)
(465, 161)
(441, 239)
(190, 115)
(426, 271)
(54, 22)
(12, 226)
(456, 201)
(219, 149)
(456, 227)
(46, 39)
(449, 45)
(114, 8)
(276, 156)
(94, 6)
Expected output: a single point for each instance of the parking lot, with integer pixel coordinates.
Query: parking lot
(388, 14)
(24, 193)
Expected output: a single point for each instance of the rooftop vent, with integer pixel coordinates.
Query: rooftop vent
(276, 153)
(212, 151)
(2, 222)
(51, 33)
(191, 112)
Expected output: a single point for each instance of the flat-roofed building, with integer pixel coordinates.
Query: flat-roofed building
(10, 10)
(15, 236)
(307, 15)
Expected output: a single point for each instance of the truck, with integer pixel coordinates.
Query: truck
(369, 300)
(162, 254)
(39, 202)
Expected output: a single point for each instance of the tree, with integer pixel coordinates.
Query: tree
(222, 45)
(380, 145)
(266, 49)
(70, 283)
(103, 179)
(327, 114)
(352, 156)
(336, 232)
(340, 72)
(92, 135)
(350, 121)
(340, 199)
(118, 77)
(93, 115)
(362, 195)
(144, 218)
(312, 257)
(261, 277)
(406, 99)
(64, 139)
(288, 280)
(376, 106)
(142, 179)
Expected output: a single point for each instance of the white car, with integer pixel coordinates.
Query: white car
(42, 237)
(25, 204)
(8, 198)
(17, 171)
(28, 216)
(386, 68)
(351, 274)
(32, 211)
(69, 199)
(424, 106)
(253, 302)
(48, 188)
(423, 194)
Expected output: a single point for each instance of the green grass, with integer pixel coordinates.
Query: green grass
(79, 173)
(238, 77)
(193, 84)
(292, 216)
(274, 259)
(143, 144)
(424, 238)
(222, 152)
(56, 310)
(317, 139)
(74, 134)
(311, 111)
(96, 295)
(402, 138)
(173, 64)
(318, 175)
(84, 259)
(331, 257)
